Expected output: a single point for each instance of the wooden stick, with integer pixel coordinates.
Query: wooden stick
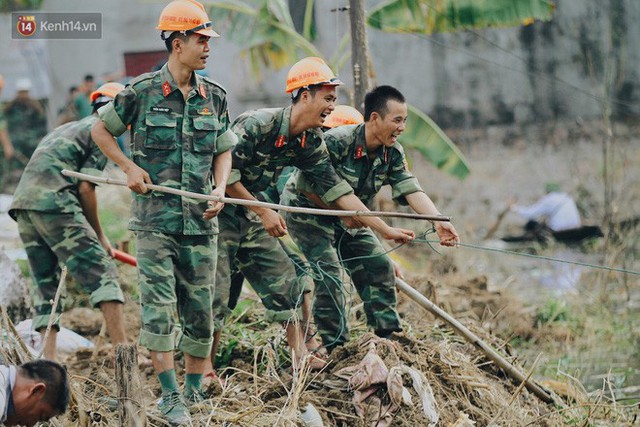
(56, 299)
(243, 202)
(494, 227)
(462, 330)
(131, 411)
(24, 355)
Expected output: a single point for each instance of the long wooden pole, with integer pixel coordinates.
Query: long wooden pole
(243, 202)
(462, 330)
(359, 52)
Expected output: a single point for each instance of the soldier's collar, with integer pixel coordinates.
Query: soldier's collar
(361, 150)
(199, 85)
(361, 143)
(283, 131)
(169, 84)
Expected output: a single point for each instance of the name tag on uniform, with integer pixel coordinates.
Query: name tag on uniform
(348, 169)
(161, 109)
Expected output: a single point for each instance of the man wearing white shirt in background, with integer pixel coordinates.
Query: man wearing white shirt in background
(556, 210)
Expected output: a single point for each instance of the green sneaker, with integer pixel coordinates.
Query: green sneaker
(196, 400)
(195, 397)
(173, 409)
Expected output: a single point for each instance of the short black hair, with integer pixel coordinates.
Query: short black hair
(54, 376)
(72, 89)
(376, 100)
(312, 90)
(168, 42)
(88, 78)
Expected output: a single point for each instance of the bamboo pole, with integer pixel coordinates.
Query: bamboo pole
(243, 202)
(462, 330)
(54, 306)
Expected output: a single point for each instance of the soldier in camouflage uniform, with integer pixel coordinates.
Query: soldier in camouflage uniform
(180, 139)
(366, 156)
(227, 296)
(6, 147)
(268, 141)
(27, 122)
(58, 222)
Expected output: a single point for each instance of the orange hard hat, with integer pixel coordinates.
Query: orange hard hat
(186, 15)
(308, 72)
(110, 90)
(343, 115)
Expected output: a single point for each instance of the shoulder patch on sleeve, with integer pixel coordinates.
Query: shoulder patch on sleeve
(142, 78)
(214, 83)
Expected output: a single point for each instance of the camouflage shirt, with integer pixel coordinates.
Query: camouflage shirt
(42, 187)
(175, 141)
(26, 124)
(263, 151)
(348, 150)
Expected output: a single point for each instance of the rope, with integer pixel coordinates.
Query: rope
(543, 257)
(316, 271)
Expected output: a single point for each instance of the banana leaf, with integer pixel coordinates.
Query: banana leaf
(423, 135)
(264, 31)
(438, 16)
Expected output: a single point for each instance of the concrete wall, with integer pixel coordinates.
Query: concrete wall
(523, 75)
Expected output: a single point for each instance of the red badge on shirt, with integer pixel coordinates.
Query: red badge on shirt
(202, 92)
(359, 150)
(303, 141)
(386, 155)
(280, 141)
(166, 89)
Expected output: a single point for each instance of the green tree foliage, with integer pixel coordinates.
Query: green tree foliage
(7, 6)
(265, 32)
(438, 16)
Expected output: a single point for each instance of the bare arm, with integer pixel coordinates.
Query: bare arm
(422, 204)
(221, 171)
(271, 220)
(137, 177)
(89, 203)
(7, 146)
(349, 221)
(399, 235)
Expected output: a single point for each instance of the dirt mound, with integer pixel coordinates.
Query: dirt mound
(261, 388)
(470, 299)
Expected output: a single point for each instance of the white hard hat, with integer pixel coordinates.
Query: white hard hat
(23, 84)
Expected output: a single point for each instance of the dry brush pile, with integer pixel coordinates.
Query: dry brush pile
(426, 376)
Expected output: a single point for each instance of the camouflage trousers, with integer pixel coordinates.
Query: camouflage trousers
(53, 238)
(292, 251)
(176, 275)
(328, 246)
(244, 245)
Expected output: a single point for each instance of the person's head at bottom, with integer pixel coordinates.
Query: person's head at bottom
(41, 392)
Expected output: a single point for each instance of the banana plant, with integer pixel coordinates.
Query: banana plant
(426, 137)
(438, 16)
(265, 32)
